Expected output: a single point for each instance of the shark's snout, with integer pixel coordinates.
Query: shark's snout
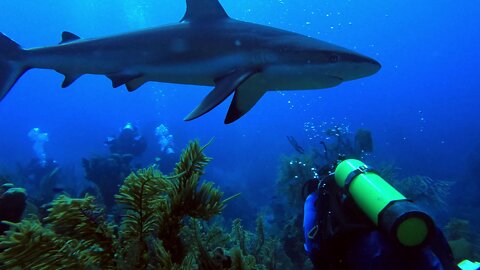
(370, 66)
(354, 66)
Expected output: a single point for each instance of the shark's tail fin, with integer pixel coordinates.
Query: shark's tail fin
(10, 68)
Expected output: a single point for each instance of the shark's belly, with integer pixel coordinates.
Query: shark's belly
(198, 72)
(282, 77)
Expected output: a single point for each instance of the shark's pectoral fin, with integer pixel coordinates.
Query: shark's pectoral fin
(69, 79)
(244, 99)
(224, 87)
(135, 84)
(68, 37)
(122, 78)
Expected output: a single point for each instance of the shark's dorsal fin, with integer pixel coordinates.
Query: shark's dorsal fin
(68, 37)
(204, 10)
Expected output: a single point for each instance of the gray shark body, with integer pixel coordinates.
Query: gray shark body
(206, 48)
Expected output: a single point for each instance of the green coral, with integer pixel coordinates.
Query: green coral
(246, 250)
(76, 235)
(241, 261)
(142, 200)
(82, 221)
(255, 247)
(29, 245)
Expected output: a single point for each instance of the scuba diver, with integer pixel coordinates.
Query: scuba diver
(107, 173)
(39, 139)
(353, 219)
(41, 173)
(128, 142)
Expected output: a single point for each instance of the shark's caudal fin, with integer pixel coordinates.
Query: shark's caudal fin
(204, 10)
(10, 69)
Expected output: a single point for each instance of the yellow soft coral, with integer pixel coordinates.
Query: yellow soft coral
(28, 245)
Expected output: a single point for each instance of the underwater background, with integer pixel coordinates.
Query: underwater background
(422, 107)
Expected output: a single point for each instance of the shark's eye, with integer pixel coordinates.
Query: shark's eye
(334, 58)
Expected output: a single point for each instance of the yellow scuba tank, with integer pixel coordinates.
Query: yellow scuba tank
(387, 208)
(469, 265)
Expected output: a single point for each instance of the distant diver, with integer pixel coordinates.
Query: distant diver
(206, 47)
(39, 139)
(41, 172)
(108, 173)
(128, 142)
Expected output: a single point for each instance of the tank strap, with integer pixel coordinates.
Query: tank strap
(355, 173)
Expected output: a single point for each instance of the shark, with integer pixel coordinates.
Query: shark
(206, 47)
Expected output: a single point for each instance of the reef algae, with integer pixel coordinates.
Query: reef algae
(77, 234)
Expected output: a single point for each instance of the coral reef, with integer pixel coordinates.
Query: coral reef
(388, 171)
(107, 173)
(237, 250)
(77, 235)
(12, 204)
(425, 191)
(294, 171)
(43, 181)
(463, 240)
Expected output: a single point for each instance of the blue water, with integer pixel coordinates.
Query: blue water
(422, 107)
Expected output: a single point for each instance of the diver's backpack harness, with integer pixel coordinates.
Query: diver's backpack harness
(338, 222)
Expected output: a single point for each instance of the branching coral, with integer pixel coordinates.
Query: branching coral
(239, 249)
(186, 197)
(241, 261)
(262, 248)
(29, 245)
(206, 244)
(81, 220)
(141, 196)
